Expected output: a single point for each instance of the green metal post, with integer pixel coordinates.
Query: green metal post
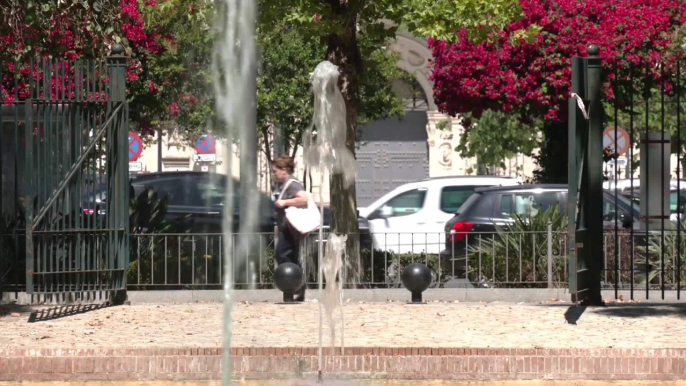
(575, 154)
(593, 248)
(28, 191)
(118, 176)
(585, 195)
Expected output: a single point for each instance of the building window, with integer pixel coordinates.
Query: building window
(176, 164)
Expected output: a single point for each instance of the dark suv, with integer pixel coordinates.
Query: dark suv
(201, 196)
(489, 207)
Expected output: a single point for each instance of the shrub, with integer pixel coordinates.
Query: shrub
(383, 268)
(517, 255)
(668, 254)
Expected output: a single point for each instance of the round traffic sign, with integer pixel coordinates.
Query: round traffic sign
(135, 146)
(618, 144)
(205, 144)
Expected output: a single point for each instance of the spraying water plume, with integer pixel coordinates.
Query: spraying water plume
(324, 141)
(325, 150)
(234, 71)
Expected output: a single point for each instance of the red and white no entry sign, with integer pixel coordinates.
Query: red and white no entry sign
(619, 144)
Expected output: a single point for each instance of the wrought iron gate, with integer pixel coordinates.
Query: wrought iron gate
(73, 185)
(636, 248)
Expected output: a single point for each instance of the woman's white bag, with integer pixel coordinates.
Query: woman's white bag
(306, 219)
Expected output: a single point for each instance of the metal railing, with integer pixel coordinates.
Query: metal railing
(489, 260)
(533, 259)
(644, 261)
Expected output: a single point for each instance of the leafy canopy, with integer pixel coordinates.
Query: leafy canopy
(284, 97)
(532, 78)
(439, 19)
(496, 137)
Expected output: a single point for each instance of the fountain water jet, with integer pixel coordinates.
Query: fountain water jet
(325, 150)
(234, 71)
(332, 272)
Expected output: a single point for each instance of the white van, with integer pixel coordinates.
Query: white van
(411, 218)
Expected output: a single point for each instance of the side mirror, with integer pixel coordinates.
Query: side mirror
(386, 211)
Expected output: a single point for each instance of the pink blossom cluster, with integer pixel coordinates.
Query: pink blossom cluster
(71, 39)
(533, 78)
(90, 84)
(185, 103)
(134, 28)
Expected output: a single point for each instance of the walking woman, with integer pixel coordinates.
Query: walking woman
(292, 194)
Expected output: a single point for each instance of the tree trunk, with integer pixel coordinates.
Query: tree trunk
(343, 51)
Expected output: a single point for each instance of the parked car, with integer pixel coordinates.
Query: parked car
(677, 200)
(491, 207)
(625, 186)
(410, 218)
(201, 197)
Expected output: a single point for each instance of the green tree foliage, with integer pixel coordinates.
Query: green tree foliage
(495, 137)
(442, 19)
(57, 27)
(179, 75)
(284, 96)
(532, 77)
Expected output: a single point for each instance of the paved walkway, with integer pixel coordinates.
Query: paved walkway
(497, 325)
(263, 382)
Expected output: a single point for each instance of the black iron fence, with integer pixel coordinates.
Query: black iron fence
(535, 259)
(63, 134)
(506, 260)
(625, 118)
(643, 149)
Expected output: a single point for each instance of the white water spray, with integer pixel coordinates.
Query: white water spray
(324, 141)
(332, 271)
(234, 72)
(325, 150)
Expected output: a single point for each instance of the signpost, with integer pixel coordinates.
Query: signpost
(618, 144)
(135, 167)
(206, 144)
(204, 158)
(135, 146)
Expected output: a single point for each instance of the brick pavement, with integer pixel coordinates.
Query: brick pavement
(493, 341)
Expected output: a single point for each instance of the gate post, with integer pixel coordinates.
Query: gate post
(28, 189)
(585, 195)
(118, 173)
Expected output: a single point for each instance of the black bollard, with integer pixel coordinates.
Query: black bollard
(288, 278)
(416, 278)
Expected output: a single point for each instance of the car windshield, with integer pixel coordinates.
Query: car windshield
(623, 203)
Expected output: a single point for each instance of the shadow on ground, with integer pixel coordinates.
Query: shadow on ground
(573, 313)
(624, 310)
(53, 313)
(11, 308)
(643, 310)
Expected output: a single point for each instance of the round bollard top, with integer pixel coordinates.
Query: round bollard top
(288, 277)
(416, 277)
(593, 50)
(116, 49)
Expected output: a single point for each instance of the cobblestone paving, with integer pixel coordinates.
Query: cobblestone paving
(366, 325)
(263, 382)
